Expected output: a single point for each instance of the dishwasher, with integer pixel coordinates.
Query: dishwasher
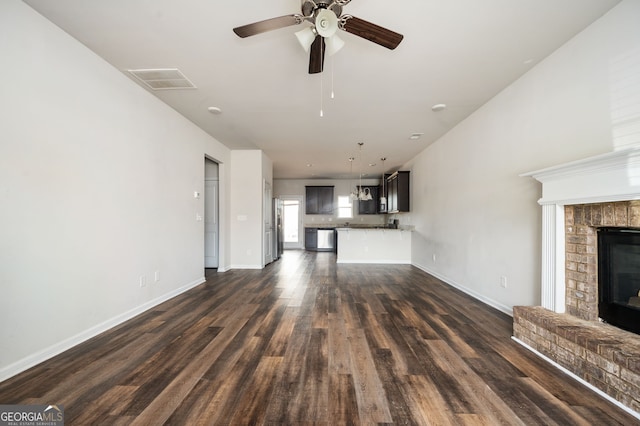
(326, 239)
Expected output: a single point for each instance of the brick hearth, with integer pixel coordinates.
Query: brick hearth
(602, 355)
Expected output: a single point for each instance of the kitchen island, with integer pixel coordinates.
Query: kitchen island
(374, 245)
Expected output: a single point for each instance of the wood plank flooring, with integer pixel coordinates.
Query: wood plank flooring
(309, 342)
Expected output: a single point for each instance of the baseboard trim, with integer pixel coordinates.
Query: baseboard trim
(577, 378)
(48, 353)
(494, 304)
(246, 267)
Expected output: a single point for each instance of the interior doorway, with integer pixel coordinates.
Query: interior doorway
(292, 222)
(211, 214)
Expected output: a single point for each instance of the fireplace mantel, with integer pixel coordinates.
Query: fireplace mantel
(609, 177)
(614, 176)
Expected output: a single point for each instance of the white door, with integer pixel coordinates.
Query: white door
(211, 186)
(292, 222)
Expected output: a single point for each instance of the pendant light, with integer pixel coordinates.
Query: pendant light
(363, 194)
(354, 193)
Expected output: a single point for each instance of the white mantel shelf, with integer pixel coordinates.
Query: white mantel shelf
(609, 177)
(614, 176)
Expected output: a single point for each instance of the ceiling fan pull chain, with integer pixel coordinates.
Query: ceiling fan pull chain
(321, 97)
(333, 95)
(321, 81)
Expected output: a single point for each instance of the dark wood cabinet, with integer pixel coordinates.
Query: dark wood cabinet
(369, 206)
(320, 239)
(310, 238)
(319, 200)
(398, 192)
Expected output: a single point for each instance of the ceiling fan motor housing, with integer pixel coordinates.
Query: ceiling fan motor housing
(308, 7)
(311, 8)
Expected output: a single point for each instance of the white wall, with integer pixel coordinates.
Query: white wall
(296, 187)
(249, 168)
(97, 181)
(472, 210)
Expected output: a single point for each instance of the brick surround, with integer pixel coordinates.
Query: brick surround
(581, 224)
(602, 355)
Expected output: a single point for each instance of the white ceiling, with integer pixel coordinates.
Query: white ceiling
(457, 52)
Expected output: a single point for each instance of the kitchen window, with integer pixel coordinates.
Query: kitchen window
(345, 207)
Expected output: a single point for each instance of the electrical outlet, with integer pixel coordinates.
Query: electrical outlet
(156, 276)
(143, 281)
(434, 258)
(503, 281)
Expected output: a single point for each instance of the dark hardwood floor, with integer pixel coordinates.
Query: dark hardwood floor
(307, 341)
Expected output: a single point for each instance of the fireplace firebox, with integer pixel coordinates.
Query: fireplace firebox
(619, 277)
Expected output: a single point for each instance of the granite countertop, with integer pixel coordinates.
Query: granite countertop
(381, 227)
(345, 225)
(357, 226)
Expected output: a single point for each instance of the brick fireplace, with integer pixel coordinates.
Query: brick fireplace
(577, 199)
(581, 225)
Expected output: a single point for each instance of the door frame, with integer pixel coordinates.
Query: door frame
(300, 243)
(210, 179)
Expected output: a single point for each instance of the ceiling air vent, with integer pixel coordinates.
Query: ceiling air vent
(162, 79)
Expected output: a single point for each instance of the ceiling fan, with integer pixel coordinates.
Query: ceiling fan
(326, 17)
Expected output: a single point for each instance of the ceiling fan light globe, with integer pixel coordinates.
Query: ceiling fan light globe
(334, 44)
(326, 23)
(306, 38)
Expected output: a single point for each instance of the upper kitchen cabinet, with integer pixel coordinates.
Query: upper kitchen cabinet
(369, 206)
(319, 200)
(398, 192)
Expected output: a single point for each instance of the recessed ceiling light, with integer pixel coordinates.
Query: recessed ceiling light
(438, 107)
(309, 165)
(415, 136)
(214, 110)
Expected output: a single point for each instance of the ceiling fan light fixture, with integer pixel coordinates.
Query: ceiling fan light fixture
(306, 38)
(326, 23)
(334, 44)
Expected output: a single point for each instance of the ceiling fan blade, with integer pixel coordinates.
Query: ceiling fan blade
(316, 56)
(268, 25)
(371, 32)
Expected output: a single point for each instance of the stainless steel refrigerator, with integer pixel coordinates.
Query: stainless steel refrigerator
(276, 229)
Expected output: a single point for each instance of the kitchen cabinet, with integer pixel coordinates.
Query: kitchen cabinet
(369, 206)
(320, 239)
(310, 238)
(319, 200)
(398, 192)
